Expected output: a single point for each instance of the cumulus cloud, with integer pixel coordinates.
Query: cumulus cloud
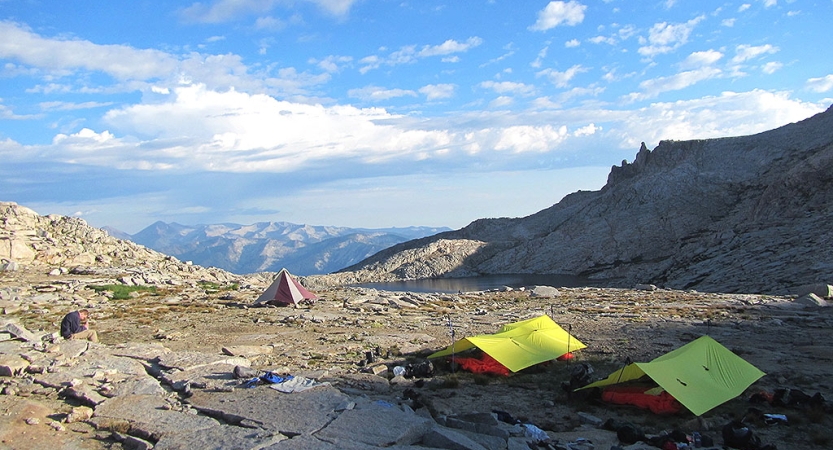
(587, 130)
(557, 13)
(572, 43)
(530, 138)
(666, 37)
(728, 114)
(821, 84)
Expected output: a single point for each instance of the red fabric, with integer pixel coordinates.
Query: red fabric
(635, 395)
(484, 364)
(565, 357)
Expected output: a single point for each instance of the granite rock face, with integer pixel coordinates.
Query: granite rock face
(740, 214)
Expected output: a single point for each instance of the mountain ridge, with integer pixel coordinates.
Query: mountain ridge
(747, 213)
(270, 246)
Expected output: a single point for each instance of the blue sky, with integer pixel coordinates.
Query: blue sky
(373, 113)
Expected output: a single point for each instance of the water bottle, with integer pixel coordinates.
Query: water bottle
(698, 441)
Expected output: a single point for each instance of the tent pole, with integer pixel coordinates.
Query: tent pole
(569, 335)
(451, 328)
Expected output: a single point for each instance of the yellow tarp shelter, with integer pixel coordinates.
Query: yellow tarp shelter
(521, 344)
(700, 375)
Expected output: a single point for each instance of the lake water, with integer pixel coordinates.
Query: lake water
(483, 283)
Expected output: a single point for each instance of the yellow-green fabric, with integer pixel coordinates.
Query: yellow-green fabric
(521, 344)
(700, 375)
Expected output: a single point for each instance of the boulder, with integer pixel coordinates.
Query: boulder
(377, 424)
(811, 300)
(290, 414)
(544, 292)
(822, 290)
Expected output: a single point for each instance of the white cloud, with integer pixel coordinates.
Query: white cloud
(501, 102)
(562, 79)
(408, 54)
(502, 87)
(377, 94)
(627, 31)
(557, 13)
(772, 67)
(728, 22)
(540, 58)
(437, 91)
(822, 84)
(699, 59)
(653, 87)
(332, 63)
(269, 23)
(69, 106)
(221, 11)
(664, 37)
(610, 40)
(587, 130)
(746, 52)
(572, 43)
(744, 7)
(769, 3)
(530, 138)
(729, 114)
(450, 46)
(119, 61)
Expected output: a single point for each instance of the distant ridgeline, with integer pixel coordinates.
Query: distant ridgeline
(740, 214)
(271, 246)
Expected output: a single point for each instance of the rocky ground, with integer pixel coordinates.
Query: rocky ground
(163, 373)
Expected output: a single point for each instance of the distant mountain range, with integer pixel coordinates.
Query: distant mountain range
(270, 246)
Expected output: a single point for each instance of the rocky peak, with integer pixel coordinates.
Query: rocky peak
(735, 214)
(31, 242)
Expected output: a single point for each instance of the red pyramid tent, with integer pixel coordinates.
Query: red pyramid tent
(285, 291)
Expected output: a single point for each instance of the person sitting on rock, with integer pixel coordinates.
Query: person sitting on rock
(74, 326)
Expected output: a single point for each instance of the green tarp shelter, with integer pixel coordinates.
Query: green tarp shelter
(700, 375)
(521, 344)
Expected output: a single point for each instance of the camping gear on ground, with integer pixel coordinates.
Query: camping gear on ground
(485, 364)
(521, 344)
(285, 291)
(654, 399)
(737, 434)
(580, 375)
(267, 378)
(701, 374)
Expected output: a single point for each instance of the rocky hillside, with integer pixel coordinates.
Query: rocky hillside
(271, 246)
(749, 214)
(58, 245)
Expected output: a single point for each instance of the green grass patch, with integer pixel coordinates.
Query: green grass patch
(217, 287)
(122, 292)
